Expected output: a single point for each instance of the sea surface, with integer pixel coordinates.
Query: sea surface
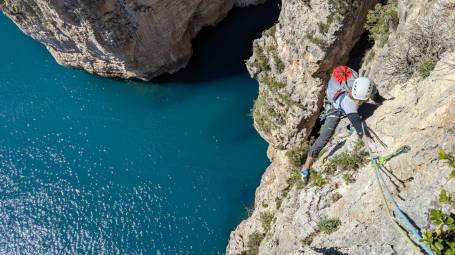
(90, 165)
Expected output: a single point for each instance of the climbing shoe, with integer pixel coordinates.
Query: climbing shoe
(305, 174)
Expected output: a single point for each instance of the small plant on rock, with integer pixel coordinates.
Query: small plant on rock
(441, 237)
(266, 221)
(254, 241)
(323, 27)
(316, 179)
(348, 178)
(321, 43)
(261, 114)
(347, 161)
(279, 64)
(273, 84)
(426, 66)
(261, 61)
(329, 226)
(443, 155)
(297, 155)
(341, 8)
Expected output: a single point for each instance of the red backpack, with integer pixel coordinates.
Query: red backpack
(341, 81)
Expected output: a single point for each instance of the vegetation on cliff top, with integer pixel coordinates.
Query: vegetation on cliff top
(381, 20)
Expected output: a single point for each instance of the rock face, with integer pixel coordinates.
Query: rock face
(292, 62)
(128, 39)
(287, 216)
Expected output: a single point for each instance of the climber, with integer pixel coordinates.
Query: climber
(346, 92)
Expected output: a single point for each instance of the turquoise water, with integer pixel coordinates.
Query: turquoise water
(90, 165)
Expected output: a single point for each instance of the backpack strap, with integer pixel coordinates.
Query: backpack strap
(337, 94)
(343, 89)
(342, 96)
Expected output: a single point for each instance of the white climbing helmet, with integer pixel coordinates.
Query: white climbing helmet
(362, 88)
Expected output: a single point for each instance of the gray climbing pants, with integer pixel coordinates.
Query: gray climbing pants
(330, 124)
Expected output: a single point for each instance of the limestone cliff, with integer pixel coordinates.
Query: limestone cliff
(413, 65)
(128, 39)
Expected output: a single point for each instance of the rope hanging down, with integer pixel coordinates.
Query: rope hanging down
(387, 194)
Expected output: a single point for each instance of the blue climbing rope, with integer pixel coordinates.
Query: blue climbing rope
(385, 190)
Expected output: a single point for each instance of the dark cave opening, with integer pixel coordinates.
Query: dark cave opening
(359, 51)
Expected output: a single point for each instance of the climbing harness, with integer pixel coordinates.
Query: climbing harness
(386, 194)
(329, 109)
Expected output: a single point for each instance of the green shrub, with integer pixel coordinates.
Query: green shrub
(341, 8)
(381, 20)
(273, 85)
(442, 155)
(441, 237)
(261, 119)
(426, 66)
(278, 202)
(316, 179)
(329, 226)
(271, 48)
(286, 99)
(254, 241)
(279, 64)
(348, 178)
(297, 155)
(266, 221)
(321, 43)
(323, 27)
(345, 161)
(260, 61)
(338, 9)
(444, 197)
